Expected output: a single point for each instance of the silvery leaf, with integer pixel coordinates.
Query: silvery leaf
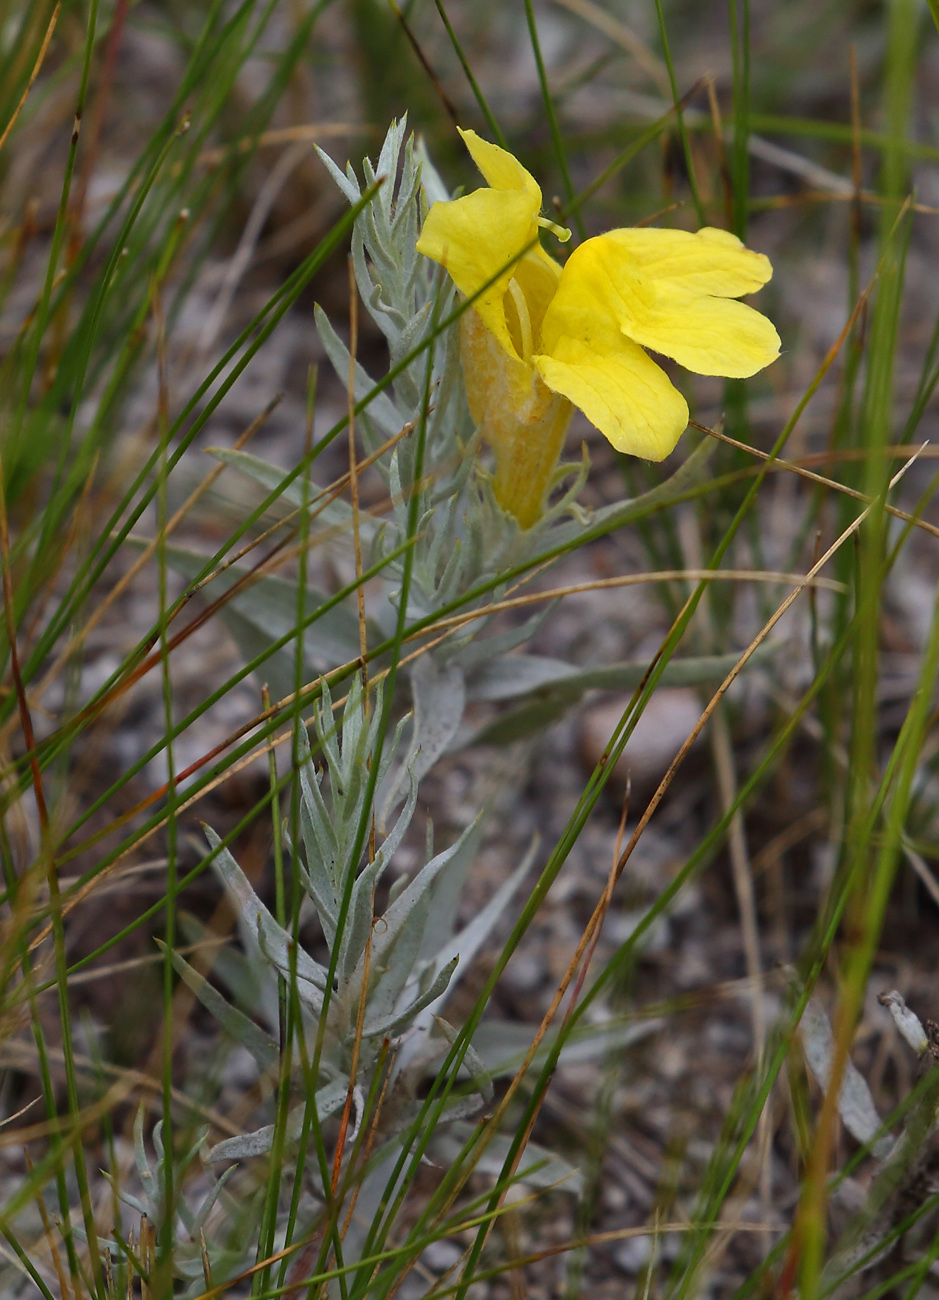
(388, 158)
(138, 1206)
(205, 1209)
(396, 946)
(296, 495)
(289, 960)
(434, 188)
(471, 938)
(462, 1108)
(503, 1044)
(538, 1167)
(320, 842)
(360, 916)
(274, 942)
(509, 676)
(906, 1021)
(359, 920)
(144, 1172)
(439, 693)
(347, 183)
(234, 1022)
(266, 610)
(392, 840)
(472, 1061)
(490, 650)
(523, 674)
(855, 1103)
(403, 1019)
(563, 685)
(381, 409)
(327, 1101)
(243, 971)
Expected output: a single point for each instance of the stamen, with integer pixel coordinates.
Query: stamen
(524, 320)
(562, 232)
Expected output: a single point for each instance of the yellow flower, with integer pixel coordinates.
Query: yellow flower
(541, 337)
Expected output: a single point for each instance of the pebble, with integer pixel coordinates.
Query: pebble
(633, 1254)
(441, 1256)
(660, 732)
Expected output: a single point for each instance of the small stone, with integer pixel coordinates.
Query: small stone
(662, 729)
(525, 972)
(440, 1256)
(633, 1254)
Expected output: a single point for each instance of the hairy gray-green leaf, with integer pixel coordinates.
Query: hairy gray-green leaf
(439, 694)
(468, 942)
(327, 1101)
(398, 943)
(539, 1167)
(234, 1022)
(381, 409)
(266, 610)
(855, 1103)
(549, 687)
(273, 941)
(472, 1061)
(408, 1016)
(335, 513)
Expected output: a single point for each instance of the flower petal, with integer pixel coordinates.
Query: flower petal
(501, 170)
(711, 336)
(709, 261)
(476, 238)
(618, 387)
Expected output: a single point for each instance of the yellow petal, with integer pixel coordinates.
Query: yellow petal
(491, 236)
(480, 238)
(709, 261)
(711, 336)
(501, 170)
(618, 387)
